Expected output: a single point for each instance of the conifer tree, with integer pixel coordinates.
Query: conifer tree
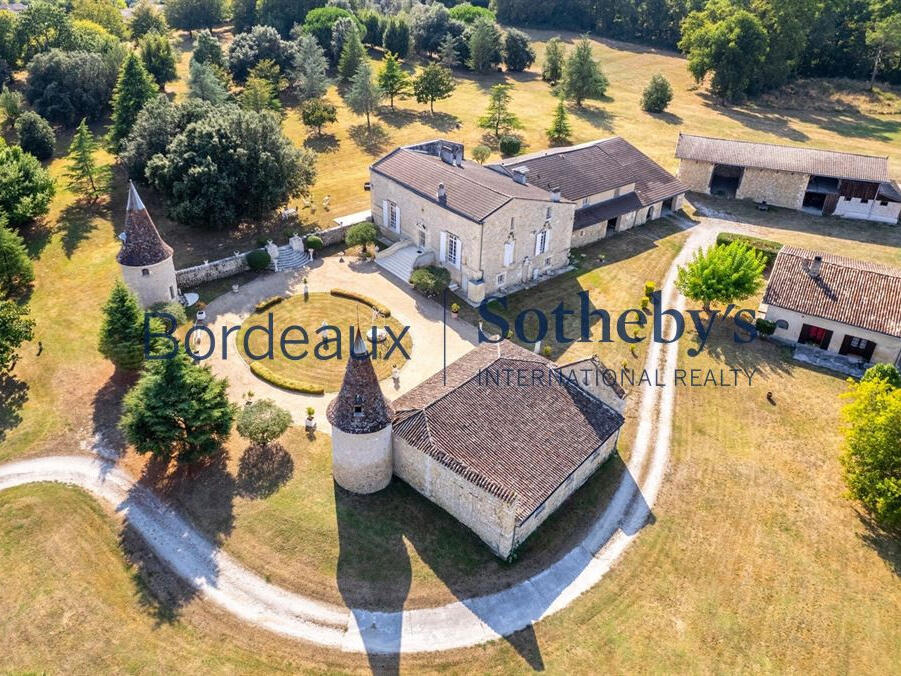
(85, 176)
(259, 94)
(559, 132)
(499, 118)
(393, 80)
(364, 95)
(158, 57)
(485, 47)
(178, 409)
(352, 55)
(122, 331)
(447, 52)
(552, 70)
(582, 77)
(16, 270)
(204, 84)
(134, 88)
(310, 66)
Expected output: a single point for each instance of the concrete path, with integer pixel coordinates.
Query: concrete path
(225, 582)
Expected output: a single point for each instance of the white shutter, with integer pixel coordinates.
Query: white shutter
(385, 223)
(508, 253)
(397, 218)
(547, 241)
(442, 251)
(459, 253)
(538, 243)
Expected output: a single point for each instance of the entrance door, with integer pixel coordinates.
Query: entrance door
(815, 335)
(611, 226)
(858, 346)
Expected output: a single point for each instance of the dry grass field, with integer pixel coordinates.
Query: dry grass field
(754, 560)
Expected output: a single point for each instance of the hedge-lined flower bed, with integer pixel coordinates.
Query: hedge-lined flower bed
(768, 247)
(260, 371)
(366, 300)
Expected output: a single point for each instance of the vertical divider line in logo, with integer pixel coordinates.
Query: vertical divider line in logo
(444, 348)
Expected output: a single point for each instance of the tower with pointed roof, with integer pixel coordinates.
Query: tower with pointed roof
(145, 259)
(362, 461)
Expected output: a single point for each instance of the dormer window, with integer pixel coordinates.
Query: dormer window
(358, 406)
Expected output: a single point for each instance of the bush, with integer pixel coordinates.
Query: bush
(455, 308)
(883, 372)
(649, 288)
(769, 248)
(361, 234)
(366, 300)
(765, 327)
(313, 242)
(481, 153)
(267, 303)
(546, 351)
(518, 51)
(430, 281)
(35, 135)
(261, 371)
(258, 259)
(173, 308)
(657, 94)
(25, 186)
(510, 145)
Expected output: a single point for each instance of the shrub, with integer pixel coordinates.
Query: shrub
(430, 281)
(510, 145)
(657, 94)
(263, 421)
(258, 259)
(765, 327)
(455, 307)
(768, 247)
(35, 135)
(468, 13)
(310, 411)
(481, 153)
(649, 288)
(361, 234)
(883, 372)
(366, 300)
(313, 242)
(644, 303)
(261, 371)
(546, 351)
(174, 308)
(268, 303)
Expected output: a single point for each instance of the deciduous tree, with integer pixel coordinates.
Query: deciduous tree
(481, 153)
(16, 269)
(67, 86)
(103, 13)
(16, 327)
(884, 38)
(433, 83)
(35, 135)
(25, 187)
(259, 95)
(552, 69)
(263, 421)
(361, 234)
(146, 18)
(722, 274)
(190, 15)
(317, 112)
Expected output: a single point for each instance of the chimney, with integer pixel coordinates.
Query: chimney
(442, 193)
(521, 175)
(555, 194)
(815, 266)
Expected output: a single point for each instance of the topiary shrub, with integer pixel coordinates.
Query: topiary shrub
(313, 242)
(35, 135)
(261, 371)
(510, 145)
(430, 281)
(366, 300)
(765, 327)
(268, 303)
(258, 259)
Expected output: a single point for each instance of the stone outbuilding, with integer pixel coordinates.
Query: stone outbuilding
(822, 182)
(839, 305)
(361, 426)
(145, 259)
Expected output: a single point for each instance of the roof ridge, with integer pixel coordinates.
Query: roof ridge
(781, 145)
(843, 261)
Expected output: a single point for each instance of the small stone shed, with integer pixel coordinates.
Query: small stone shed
(823, 182)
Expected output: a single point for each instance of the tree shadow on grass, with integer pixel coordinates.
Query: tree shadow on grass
(372, 140)
(37, 235)
(263, 469)
(77, 222)
(13, 395)
(594, 115)
(669, 118)
(440, 121)
(108, 409)
(398, 117)
(885, 543)
(322, 143)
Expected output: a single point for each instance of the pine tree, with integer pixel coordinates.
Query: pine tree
(447, 52)
(134, 88)
(485, 50)
(499, 118)
(158, 57)
(559, 132)
(204, 84)
(122, 331)
(582, 77)
(433, 83)
(393, 80)
(364, 95)
(85, 176)
(179, 409)
(310, 66)
(352, 55)
(552, 70)
(16, 270)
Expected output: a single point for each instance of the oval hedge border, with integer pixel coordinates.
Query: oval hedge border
(366, 300)
(263, 373)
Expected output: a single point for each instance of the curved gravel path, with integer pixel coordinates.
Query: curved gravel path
(225, 582)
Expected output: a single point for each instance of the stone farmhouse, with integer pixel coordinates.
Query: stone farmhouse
(846, 307)
(500, 445)
(501, 227)
(816, 181)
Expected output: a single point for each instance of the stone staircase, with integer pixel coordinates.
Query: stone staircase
(289, 259)
(400, 263)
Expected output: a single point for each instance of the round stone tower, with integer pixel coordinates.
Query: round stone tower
(361, 427)
(145, 259)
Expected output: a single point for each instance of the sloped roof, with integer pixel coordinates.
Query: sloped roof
(143, 245)
(360, 387)
(595, 167)
(473, 191)
(852, 292)
(783, 158)
(517, 441)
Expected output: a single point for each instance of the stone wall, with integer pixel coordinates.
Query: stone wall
(888, 348)
(695, 174)
(779, 188)
(212, 270)
(361, 463)
(152, 283)
(489, 517)
(333, 235)
(575, 480)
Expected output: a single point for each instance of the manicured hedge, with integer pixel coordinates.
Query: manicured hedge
(261, 371)
(258, 259)
(366, 300)
(768, 247)
(268, 303)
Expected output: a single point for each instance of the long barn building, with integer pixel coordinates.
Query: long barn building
(816, 181)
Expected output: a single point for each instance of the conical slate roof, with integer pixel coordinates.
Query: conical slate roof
(143, 245)
(359, 407)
